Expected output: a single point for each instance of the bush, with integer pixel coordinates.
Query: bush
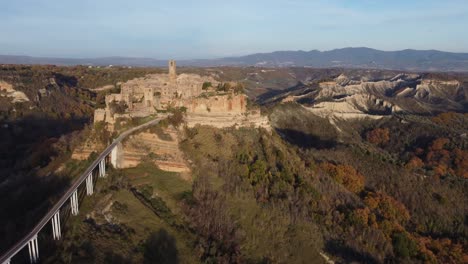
(206, 85)
(403, 245)
(118, 107)
(346, 175)
(176, 118)
(160, 247)
(378, 136)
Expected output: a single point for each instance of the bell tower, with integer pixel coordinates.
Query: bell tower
(172, 69)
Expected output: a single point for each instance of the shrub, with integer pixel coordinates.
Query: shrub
(118, 107)
(378, 136)
(403, 245)
(206, 85)
(346, 175)
(176, 118)
(160, 247)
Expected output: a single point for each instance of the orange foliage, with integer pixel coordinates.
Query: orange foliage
(439, 144)
(414, 163)
(440, 170)
(389, 227)
(444, 250)
(364, 216)
(461, 163)
(442, 159)
(445, 118)
(387, 207)
(346, 175)
(378, 136)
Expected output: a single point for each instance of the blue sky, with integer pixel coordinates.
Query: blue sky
(216, 28)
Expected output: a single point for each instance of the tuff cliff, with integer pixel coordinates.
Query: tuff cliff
(157, 145)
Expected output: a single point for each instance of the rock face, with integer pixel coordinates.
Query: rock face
(82, 152)
(162, 148)
(6, 90)
(353, 106)
(229, 104)
(103, 88)
(223, 120)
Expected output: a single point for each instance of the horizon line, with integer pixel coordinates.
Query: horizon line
(226, 56)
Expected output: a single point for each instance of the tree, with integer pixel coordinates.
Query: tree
(378, 136)
(160, 247)
(414, 163)
(346, 175)
(403, 245)
(176, 118)
(118, 107)
(206, 85)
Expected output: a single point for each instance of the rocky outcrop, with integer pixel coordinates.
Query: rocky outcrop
(83, 151)
(223, 120)
(437, 89)
(217, 104)
(6, 90)
(103, 88)
(161, 147)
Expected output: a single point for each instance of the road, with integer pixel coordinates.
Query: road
(25, 240)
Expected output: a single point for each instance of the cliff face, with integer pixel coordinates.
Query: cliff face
(82, 152)
(160, 146)
(227, 104)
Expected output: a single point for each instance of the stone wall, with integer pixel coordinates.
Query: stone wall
(99, 115)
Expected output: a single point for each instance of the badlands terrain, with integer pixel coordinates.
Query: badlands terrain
(330, 166)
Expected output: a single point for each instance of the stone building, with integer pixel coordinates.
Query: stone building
(146, 95)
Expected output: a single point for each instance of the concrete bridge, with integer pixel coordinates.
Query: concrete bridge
(110, 154)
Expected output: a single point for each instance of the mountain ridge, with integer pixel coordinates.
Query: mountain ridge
(349, 57)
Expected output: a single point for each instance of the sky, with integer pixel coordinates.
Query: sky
(218, 28)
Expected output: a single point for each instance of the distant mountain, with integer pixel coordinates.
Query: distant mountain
(105, 61)
(414, 60)
(411, 60)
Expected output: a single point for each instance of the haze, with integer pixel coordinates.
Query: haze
(209, 29)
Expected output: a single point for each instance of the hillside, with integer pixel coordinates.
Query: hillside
(45, 112)
(365, 166)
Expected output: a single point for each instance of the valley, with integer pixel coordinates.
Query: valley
(264, 165)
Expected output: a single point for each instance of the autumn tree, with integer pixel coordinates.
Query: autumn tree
(346, 175)
(378, 136)
(414, 163)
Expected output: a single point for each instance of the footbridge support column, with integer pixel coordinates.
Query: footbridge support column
(102, 168)
(89, 184)
(56, 226)
(74, 203)
(116, 156)
(33, 250)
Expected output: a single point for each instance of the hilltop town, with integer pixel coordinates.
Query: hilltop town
(203, 98)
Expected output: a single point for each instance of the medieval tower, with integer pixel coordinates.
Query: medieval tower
(172, 70)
